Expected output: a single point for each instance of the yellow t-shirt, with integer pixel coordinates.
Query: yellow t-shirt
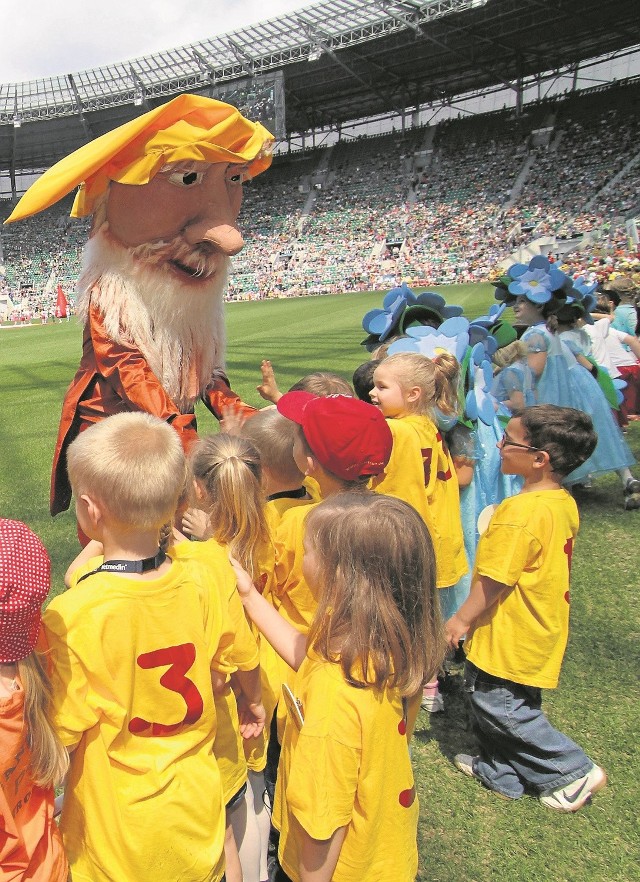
(289, 592)
(421, 472)
(348, 766)
(132, 689)
(274, 671)
(528, 545)
(228, 747)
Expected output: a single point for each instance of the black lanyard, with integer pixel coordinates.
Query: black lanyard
(288, 494)
(128, 566)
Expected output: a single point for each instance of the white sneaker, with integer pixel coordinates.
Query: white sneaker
(574, 796)
(432, 703)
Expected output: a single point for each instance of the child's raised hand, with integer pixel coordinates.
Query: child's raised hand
(252, 717)
(244, 581)
(195, 522)
(233, 419)
(268, 389)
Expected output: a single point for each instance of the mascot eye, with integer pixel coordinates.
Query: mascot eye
(186, 179)
(237, 174)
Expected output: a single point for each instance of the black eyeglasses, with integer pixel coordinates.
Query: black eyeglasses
(506, 441)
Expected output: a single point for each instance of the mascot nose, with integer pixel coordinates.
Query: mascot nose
(226, 237)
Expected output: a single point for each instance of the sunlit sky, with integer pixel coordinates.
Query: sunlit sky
(43, 38)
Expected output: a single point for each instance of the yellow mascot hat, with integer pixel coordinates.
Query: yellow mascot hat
(187, 128)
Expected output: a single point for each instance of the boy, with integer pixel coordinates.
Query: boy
(133, 643)
(339, 442)
(517, 617)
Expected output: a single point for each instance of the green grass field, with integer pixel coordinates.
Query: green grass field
(466, 833)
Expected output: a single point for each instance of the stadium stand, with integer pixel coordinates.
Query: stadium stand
(428, 205)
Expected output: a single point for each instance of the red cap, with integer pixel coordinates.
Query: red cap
(25, 579)
(348, 437)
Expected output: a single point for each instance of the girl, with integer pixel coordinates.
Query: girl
(346, 802)
(513, 382)
(32, 760)
(560, 379)
(408, 387)
(228, 485)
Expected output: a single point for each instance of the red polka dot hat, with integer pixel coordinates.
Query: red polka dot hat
(25, 578)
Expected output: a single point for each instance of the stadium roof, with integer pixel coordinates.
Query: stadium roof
(340, 59)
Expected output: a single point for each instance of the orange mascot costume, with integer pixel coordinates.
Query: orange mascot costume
(165, 191)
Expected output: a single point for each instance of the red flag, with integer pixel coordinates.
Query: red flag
(61, 304)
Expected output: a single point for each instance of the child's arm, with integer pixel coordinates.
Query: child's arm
(464, 470)
(288, 642)
(484, 593)
(585, 363)
(318, 857)
(251, 712)
(633, 343)
(515, 401)
(537, 362)
(92, 549)
(268, 389)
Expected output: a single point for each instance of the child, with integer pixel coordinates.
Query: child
(32, 760)
(517, 617)
(346, 803)
(619, 354)
(513, 382)
(282, 481)
(408, 387)
(340, 442)
(363, 379)
(559, 379)
(228, 480)
(136, 646)
(318, 382)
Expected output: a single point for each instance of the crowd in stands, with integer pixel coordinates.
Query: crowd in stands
(427, 206)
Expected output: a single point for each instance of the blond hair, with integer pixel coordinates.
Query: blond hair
(227, 469)
(49, 759)
(436, 378)
(378, 615)
(134, 464)
(323, 383)
(516, 351)
(273, 436)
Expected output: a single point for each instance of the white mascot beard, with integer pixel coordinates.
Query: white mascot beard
(178, 326)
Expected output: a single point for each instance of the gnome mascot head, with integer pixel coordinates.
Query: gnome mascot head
(165, 192)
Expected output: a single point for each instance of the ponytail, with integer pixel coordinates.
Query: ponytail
(447, 373)
(49, 759)
(228, 470)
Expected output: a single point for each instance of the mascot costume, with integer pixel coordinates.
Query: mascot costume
(165, 192)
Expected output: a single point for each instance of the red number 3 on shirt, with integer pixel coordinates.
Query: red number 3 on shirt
(180, 659)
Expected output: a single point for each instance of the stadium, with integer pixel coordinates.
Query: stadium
(432, 143)
(381, 120)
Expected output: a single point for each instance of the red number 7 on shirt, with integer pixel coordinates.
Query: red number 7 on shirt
(180, 659)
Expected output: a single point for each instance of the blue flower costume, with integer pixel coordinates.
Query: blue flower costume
(566, 383)
(515, 377)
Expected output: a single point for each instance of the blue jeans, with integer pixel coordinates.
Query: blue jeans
(518, 745)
